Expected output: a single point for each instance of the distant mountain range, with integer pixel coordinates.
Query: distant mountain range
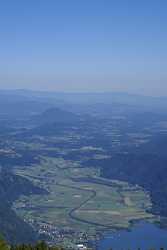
(17, 103)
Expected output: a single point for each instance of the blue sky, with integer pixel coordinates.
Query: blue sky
(84, 45)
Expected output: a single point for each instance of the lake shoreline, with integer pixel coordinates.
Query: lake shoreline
(140, 235)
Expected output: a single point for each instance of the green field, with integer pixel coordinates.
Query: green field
(76, 202)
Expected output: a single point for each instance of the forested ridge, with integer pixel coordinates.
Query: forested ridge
(12, 227)
(38, 246)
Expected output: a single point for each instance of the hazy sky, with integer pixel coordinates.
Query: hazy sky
(84, 45)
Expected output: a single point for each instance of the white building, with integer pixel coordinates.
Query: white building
(81, 247)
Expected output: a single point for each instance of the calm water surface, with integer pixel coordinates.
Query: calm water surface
(144, 235)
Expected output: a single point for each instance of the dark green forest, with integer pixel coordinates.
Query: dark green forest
(13, 228)
(38, 246)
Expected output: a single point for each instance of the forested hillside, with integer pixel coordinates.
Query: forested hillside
(12, 227)
(132, 168)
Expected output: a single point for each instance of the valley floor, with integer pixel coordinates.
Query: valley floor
(79, 201)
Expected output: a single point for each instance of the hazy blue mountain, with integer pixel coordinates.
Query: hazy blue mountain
(56, 115)
(60, 99)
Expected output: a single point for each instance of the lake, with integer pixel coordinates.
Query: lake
(143, 235)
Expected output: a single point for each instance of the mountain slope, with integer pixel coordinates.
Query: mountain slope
(146, 170)
(14, 229)
(56, 115)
